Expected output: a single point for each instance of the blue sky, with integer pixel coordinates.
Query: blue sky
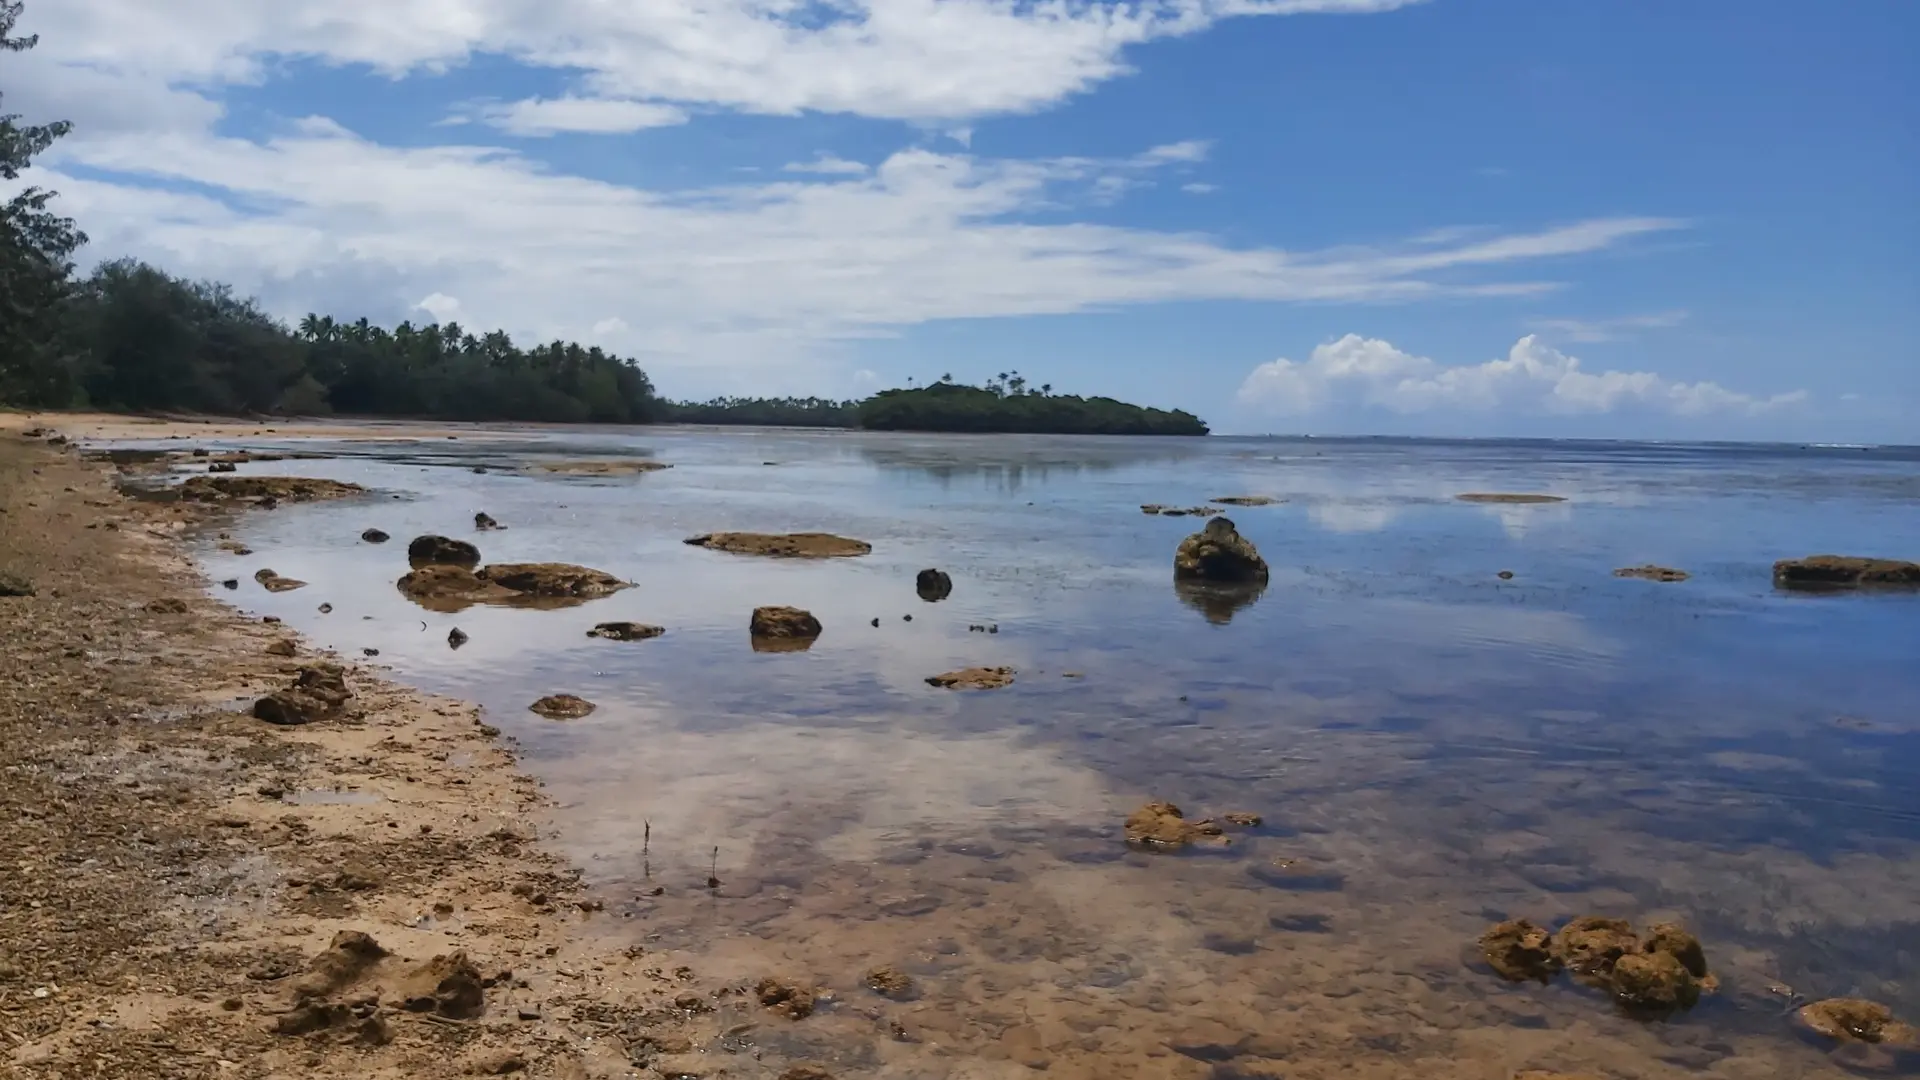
(1584, 217)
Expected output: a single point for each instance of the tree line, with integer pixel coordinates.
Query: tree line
(131, 337)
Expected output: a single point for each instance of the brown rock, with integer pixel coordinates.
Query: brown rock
(1674, 940)
(1651, 572)
(167, 606)
(1160, 825)
(278, 584)
(783, 546)
(783, 622)
(1592, 944)
(562, 707)
(974, 678)
(264, 488)
(12, 584)
(890, 982)
(1518, 951)
(494, 1062)
(442, 551)
(449, 588)
(447, 986)
(1654, 982)
(316, 694)
(1856, 1020)
(1508, 498)
(350, 955)
(626, 631)
(283, 647)
(602, 467)
(1243, 821)
(1219, 553)
(552, 579)
(1841, 571)
(789, 999)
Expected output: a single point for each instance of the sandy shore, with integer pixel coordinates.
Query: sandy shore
(113, 427)
(175, 867)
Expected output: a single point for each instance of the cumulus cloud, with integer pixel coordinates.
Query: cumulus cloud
(1357, 373)
(537, 117)
(901, 59)
(827, 165)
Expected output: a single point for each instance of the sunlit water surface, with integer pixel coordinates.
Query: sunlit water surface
(1432, 747)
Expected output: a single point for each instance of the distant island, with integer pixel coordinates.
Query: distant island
(1008, 405)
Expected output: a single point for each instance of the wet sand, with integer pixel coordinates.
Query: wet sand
(173, 863)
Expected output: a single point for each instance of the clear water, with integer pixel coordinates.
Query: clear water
(1432, 747)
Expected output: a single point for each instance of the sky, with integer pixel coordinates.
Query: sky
(1592, 218)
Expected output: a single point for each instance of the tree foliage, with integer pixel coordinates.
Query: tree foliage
(1006, 405)
(765, 412)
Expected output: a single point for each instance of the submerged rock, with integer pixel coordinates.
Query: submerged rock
(1519, 951)
(318, 693)
(933, 585)
(442, 587)
(626, 631)
(600, 467)
(1219, 553)
(1651, 572)
(1842, 571)
(289, 488)
(563, 707)
(1857, 1020)
(1161, 825)
(1176, 511)
(552, 579)
(1247, 500)
(1512, 498)
(375, 536)
(783, 545)
(789, 999)
(442, 551)
(890, 982)
(788, 623)
(1653, 982)
(974, 678)
(1677, 942)
(1592, 944)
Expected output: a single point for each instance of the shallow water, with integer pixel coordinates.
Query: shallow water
(1432, 747)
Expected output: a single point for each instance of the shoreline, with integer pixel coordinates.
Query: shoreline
(178, 865)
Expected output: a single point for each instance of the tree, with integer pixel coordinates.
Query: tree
(36, 249)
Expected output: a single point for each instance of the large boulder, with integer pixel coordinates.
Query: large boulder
(933, 585)
(1843, 571)
(1219, 553)
(784, 623)
(783, 545)
(442, 551)
(552, 579)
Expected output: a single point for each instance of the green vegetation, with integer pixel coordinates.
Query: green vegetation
(1007, 405)
(764, 412)
(135, 338)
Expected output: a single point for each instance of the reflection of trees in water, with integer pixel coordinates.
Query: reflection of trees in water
(1011, 468)
(1219, 602)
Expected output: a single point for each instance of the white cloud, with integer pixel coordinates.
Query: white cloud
(536, 117)
(902, 59)
(827, 165)
(1588, 331)
(1187, 152)
(1199, 189)
(747, 276)
(442, 307)
(1361, 373)
(614, 327)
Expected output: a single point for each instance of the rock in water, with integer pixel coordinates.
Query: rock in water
(456, 637)
(625, 631)
(1246, 500)
(484, 522)
(788, 623)
(551, 579)
(563, 707)
(1219, 553)
(1841, 571)
(1856, 1020)
(783, 546)
(375, 536)
(1651, 572)
(1509, 498)
(789, 999)
(890, 982)
(442, 551)
(973, 678)
(1676, 942)
(1161, 825)
(1654, 982)
(267, 489)
(1592, 944)
(1518, 951)
(933, 585)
